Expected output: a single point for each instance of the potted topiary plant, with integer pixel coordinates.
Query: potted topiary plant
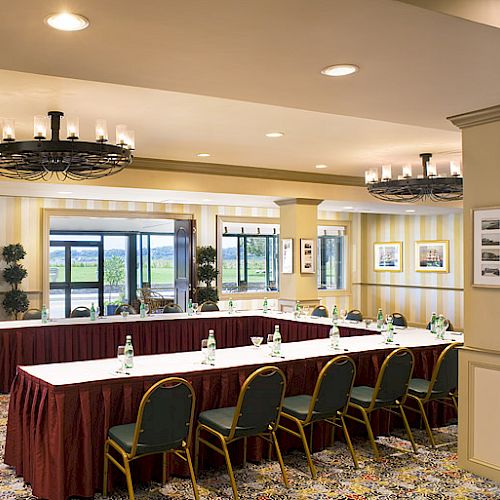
(114, 275)
(207, 273)
(15, 301)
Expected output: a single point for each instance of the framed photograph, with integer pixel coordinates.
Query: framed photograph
(287, 256)
(432, 256)
(486, 227)
(307, 257)
(388, 256)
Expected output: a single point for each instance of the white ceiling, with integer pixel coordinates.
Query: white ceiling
(215, 76)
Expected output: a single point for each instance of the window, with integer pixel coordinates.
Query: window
(249, 254)
(331, 257)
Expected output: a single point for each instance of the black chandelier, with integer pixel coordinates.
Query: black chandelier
(64, 159)
(428, 185)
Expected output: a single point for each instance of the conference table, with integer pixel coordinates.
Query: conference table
(60, 413)
(30, 342)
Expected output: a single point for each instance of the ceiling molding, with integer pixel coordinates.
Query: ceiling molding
(478, 117)
(206, 168)
(298, 201)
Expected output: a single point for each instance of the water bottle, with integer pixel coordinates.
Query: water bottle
(433, 322)
(380, 320)
(129, 352)
(190, 307)
(92, 312)
(230, 306)
(334, 336)
(265, 305)
(277, 341)
(142, 310)
(211, 346)
(45, 314)
(297, 309)
(335, 313)
(390, 330)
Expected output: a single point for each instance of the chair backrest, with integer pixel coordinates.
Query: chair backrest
(172, 308)
(354, 315)
(320, 311)
(450, 326)
(165, 417)
(125, 308)
(209, 306)
(399, 320)
(393, 378)
(444, 378)
(32, 314)
(80, 312)
(259, 403)
(333, 388)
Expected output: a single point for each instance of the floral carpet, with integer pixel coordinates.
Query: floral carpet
(431, 474)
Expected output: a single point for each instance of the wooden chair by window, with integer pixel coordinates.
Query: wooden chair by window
(320, 312)
(209, 306)
(441, 387)
(354, 315)
(153, 433)
(389, 393)
(154, 300)
(256, 413)
(328, 403)
(172, 308)
(399, 320)
(80, 312)
(32, 314)
(125, 308)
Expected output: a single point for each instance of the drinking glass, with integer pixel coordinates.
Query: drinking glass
(195, 307)
(256, 341)
(270, 342)
(125, 314)
(204, 351)
(120, 354)
(343, 314)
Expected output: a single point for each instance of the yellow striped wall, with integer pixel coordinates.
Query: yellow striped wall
(427, 292)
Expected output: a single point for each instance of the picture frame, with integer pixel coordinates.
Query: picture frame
(287, 256)
(486, 247)
(388, 256)
(432, 256)
(307, 256)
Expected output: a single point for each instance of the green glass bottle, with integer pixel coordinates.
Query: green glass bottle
(45, 314)
(265, 305)
(380, 320)
(276, 341)
(335, 313)
(92, 312)
(129, 352)
(390, 331)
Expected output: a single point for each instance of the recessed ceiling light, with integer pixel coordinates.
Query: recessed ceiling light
(348, 208)
(65, 192)
(275, 134)
(340, 70)
(410, 211)
(203, 155)
(65, 21)
(321, 166)
(207, 199)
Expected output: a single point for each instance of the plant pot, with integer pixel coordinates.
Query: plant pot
(111, 309)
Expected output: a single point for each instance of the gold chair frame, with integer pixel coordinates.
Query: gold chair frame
(308, 422)
(427, 398)
(270, 436)
(366, 412)
(182, 453)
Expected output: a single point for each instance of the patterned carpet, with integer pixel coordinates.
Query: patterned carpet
(427, 475)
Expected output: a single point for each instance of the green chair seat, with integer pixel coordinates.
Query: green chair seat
(362, 395)
(123, 435)
(418, 387)
(219, 419)
(297, 406)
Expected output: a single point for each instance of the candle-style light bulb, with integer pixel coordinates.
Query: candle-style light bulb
(386, 172)
(73, 127)
(40, 126)
(406, 171)
(121, 135)
(101, 130)
(431, 169)
(8, 130)
(455, 170)
(131, 139)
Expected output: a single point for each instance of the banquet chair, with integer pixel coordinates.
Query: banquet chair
(172, 308)
(209, 306)
(125, 308)
(390, 392)
(320, 312)
(80, 312)
(399, 320)
(328, 403)
(441, 387)
(450, 326)
(32, 314)
(256, 413)
(354, 315)
(164, 425)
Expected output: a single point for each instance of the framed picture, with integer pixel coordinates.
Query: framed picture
(287, 256)
(432, 256)
(486, 255)
(388, 256)
(307, 257)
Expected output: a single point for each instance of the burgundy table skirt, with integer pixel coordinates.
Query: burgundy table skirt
(55, 435)
(78, 342)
